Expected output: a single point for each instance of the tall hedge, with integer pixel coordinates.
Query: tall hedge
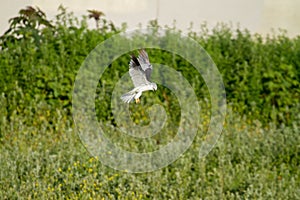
(39, 60)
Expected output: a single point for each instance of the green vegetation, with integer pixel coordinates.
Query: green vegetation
(257, 156)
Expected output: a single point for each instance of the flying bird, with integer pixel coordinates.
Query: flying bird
(140, 70)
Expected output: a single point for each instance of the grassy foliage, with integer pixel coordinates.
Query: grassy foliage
(41, 156)
(43, 160)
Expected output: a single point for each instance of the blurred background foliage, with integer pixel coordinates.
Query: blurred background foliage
(39, 60)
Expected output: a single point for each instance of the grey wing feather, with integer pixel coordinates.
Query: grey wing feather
(140, 69)
(148, 74)
(145, 64)
(136, 73)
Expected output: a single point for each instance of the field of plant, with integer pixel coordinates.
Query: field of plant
(42, 157)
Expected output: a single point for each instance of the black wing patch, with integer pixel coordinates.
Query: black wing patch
(135, 61)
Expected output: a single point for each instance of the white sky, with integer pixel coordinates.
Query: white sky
(256, 15)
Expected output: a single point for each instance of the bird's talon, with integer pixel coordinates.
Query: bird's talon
(137, 100)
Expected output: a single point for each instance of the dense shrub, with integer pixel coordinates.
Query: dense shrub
(261, 74)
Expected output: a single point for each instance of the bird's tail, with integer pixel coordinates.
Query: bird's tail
(128, 97)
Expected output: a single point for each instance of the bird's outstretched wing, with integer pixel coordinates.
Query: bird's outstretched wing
(145, 63)
(140, 69)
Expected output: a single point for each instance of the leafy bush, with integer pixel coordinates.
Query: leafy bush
(261, 75)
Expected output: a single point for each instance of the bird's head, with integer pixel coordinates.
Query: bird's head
(154, 86)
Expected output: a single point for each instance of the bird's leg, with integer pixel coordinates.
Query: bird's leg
(137, 100)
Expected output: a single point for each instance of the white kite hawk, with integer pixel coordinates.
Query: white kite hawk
(140, 70)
